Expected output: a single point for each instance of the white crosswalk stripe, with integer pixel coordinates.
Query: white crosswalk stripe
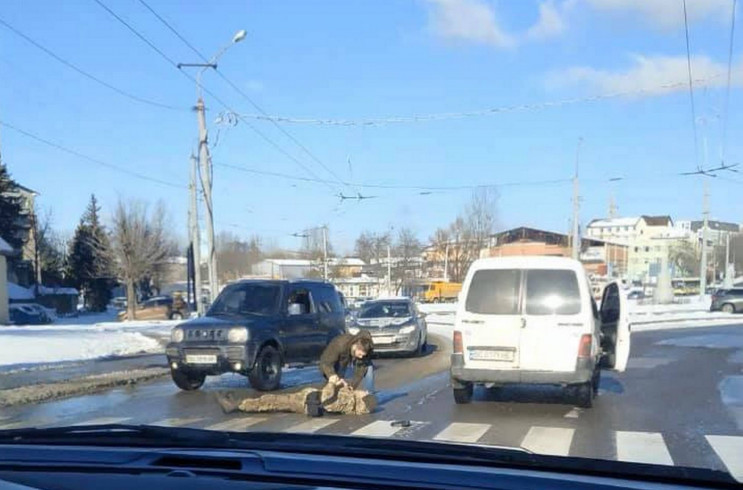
(380, 428)
(730, 450)
(177, 422)
(104, 421)
(462, 432)
(237, 424)
(549, 440)
(312, 425)
(642, 447)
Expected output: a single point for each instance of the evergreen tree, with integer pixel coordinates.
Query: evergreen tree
(10, 209)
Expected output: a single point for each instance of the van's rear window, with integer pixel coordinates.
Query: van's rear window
(552, 292)
(494, 292)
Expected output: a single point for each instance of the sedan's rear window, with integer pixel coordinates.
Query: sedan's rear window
(552, 292)
(494, 292)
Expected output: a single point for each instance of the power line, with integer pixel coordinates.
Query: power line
(237, 89)
(97, 161)
(210, 93)
(691, 88)
(87, 75)
(423, 118)
(727, 88)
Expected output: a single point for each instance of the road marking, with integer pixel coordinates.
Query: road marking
(730, 451)
(642, 447)
(312, 425)
(549, 440)
(238, 424)
(104, 421)
(176, 422)
(462, 432)
(380, 428)
(573, 414)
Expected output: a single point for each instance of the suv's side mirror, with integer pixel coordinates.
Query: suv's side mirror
(295, 309)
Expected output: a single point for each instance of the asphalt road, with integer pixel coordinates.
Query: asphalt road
(680, 402)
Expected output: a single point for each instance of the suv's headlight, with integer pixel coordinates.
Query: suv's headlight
(176, 335)
(237, 334)
(353, 330)
(408, 329)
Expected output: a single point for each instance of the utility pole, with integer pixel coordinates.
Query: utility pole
(728, 281)
(389, 269)
(703, 265)
(193, 218)
(325, 251)
(206, 183)
(576, 206)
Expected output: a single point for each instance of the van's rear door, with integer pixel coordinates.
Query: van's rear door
(491, 323)
(555, 317)
(615, 328)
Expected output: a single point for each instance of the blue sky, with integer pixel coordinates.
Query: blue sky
(356, 60)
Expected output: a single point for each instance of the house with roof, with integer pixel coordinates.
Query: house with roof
(5, 250)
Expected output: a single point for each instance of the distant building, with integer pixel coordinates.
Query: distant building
(345, 267)
(717, 231)
(358, 288)
(283, 268)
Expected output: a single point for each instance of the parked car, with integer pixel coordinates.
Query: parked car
(533, 320)
(395, 325)
(159, 308)
(119, 302)
(636, 295)
(29, 314)
(254, 328)
(727, 300)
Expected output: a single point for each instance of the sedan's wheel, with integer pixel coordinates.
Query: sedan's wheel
(422, 347)
(266, 373)
(582, 394)
(463, 395)
(728, 308)
(187, 381)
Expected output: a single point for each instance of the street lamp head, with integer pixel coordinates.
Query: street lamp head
(239, 36)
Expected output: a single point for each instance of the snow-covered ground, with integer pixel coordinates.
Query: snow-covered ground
(89, 336)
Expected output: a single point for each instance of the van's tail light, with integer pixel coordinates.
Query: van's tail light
(458, 348)
(584, 349)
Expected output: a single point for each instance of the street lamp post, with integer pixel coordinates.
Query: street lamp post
(205, 163)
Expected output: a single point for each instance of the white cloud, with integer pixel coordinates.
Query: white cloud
(468, 20)
(550, 22)
(650, 75)
(668, 14)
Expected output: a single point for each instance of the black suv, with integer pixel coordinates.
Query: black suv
(254, 328)
(727, 300)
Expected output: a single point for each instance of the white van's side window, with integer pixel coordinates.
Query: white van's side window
(494, 292)
(552, 292)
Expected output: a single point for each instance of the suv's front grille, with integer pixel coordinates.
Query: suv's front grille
(195, 334)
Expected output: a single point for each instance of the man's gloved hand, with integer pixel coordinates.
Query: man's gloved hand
(335, 380)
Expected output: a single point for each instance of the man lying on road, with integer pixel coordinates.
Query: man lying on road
(337, 396)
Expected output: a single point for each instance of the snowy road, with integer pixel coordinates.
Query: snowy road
(679, 403)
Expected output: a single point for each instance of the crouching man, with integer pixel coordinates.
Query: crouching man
(339, 395)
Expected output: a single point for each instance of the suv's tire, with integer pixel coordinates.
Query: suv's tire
(582, 394)
(266, 372)
(728, 308)
(463, 395)
(176, 315)
(187, 381)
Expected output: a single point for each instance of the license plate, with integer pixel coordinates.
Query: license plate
(491, 355)
(201, 359)
(384, 340)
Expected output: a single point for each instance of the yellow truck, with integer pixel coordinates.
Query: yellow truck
(440, 292)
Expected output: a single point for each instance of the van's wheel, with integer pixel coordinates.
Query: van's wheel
(266, 372)
(582, 394)
(463, 395)
(596, 381)
(187, 381)
(436, 300)
(728, 308)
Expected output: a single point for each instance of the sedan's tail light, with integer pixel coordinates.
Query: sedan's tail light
(458, 347)
(584, 349)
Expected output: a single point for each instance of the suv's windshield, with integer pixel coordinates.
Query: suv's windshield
(244, 299)
(381, 309)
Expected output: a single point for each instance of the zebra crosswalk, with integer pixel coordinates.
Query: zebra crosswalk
(628, 446)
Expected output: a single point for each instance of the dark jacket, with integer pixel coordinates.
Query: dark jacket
(337, 356)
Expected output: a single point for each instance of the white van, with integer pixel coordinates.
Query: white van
(533, 320)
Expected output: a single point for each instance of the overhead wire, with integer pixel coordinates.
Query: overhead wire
(86, 74)
(237, 89)
(691, 88)
(88, 158)
(726, 107)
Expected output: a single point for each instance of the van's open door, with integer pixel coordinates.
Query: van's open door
(615, 328)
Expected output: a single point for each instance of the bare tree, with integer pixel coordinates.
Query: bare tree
(235, 256)
(407, 252)
(685, 259)
(140, 244)
(371, 247)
